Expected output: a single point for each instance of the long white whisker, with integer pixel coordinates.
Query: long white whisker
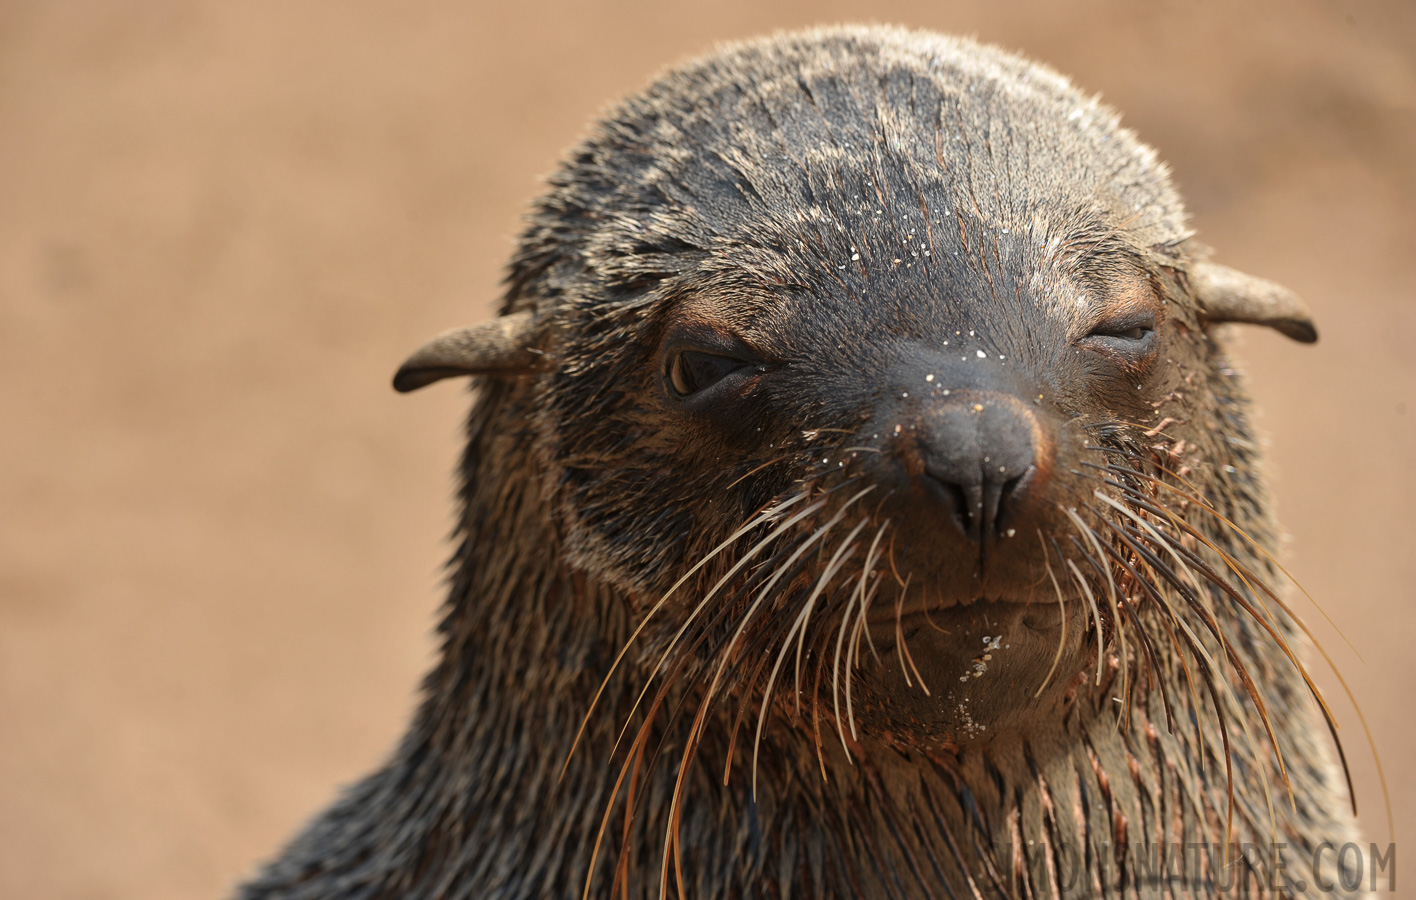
(767, 693)
(853, 661)
(834, 565)
(1062, 605)
(857, 594)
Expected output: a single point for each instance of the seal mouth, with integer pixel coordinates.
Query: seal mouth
(1030, 612)
(972, 671)
(954, 630)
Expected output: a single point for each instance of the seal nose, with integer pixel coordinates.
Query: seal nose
(976, 452)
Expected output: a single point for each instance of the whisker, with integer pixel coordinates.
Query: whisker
(1218, 582)
(1317, 695)
(1206, 616)
(853, 657)
(1256, 586)
(1111, 590)
(861, 626)
(1165, 606)
(758, 519)
(829, 572)
(816, 717)
(781, 528)
(857, 594)
(1114, 616)
(1244, 535)
(1062, 605)
(635, 748)
(836, 668)
(1251, 688)
(696, 731)
(762, 594)
(671, 833)
(1091, 601)
(781, 656)
(753, 471)
(745, 702)
(1124, 605)
(901, 649)
(1157, 565)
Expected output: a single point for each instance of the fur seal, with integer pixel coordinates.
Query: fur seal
(858, 501)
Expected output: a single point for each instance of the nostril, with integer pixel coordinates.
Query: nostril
(1008, 495)
(964, 515)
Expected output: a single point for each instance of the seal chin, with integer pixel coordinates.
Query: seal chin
(972, 672)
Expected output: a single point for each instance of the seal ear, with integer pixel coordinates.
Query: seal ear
(1226, 295)
(502, 346)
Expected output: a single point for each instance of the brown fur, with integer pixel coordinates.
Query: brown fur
(854, 208)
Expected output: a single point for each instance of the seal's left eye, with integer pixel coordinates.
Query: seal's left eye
(1134, 333)
(691, 371)
(1129, 334)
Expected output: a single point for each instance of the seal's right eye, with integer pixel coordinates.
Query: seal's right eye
(693, 371)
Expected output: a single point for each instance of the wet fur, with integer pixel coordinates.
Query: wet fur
(580, 509)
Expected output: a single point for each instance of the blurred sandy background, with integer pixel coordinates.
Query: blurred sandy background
(223, 224)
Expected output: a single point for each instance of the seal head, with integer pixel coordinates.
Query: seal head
(858, 502)
(917, 271)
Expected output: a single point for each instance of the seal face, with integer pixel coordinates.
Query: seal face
(854, 414)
